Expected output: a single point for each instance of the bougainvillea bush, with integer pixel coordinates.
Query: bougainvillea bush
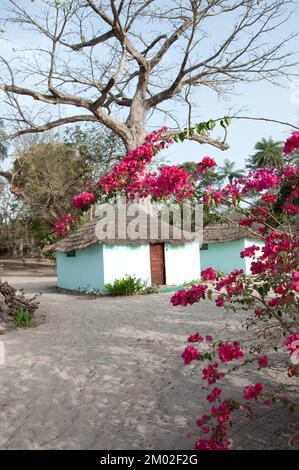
(266, 204)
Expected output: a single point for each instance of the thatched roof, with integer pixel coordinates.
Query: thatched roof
(221, 233)
(87, 236)
(228, 232)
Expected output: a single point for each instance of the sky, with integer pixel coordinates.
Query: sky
(258, 99)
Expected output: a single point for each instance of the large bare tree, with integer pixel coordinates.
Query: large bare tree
(119, 62)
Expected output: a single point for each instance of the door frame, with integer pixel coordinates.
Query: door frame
(163, 262)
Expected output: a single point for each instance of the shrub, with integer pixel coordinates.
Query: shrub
(128, 285)
(22, 318)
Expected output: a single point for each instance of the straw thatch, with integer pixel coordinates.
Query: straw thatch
(221, 233)
(87, 236)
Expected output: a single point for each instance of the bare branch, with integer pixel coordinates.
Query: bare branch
(118, 61)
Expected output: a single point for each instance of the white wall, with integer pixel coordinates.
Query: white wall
(182, 263)
(120, 260)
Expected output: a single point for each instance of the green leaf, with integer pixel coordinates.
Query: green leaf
(225, 122)
(210, 125)
(182, 136)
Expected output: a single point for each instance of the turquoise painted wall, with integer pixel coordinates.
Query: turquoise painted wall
(226, 256)
(85, 270)
(223, 256)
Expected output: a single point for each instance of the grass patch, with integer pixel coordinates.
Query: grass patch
(22, 318)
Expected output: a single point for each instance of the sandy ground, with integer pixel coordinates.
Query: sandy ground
(106, 373)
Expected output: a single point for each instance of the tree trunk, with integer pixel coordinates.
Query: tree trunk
(138, 113)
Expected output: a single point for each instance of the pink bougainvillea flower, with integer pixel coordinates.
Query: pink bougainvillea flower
(219, 301)
(263, 361)
(211, 373)
(214, 394)
(249, 252)
(209, 274)
(292, 143)
(211, 444)
(190, 354)
(292, 342)
(195, 338)
(63, 225)
(202, 420)
(270, 198)
(295, 283)
(209, 338)
(190, 296)
(229, 351)
(253, 391)
(82, 200)
(205, 164)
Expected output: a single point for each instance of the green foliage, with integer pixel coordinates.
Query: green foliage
(228, 171)
(129, 285)
(47, 175)
(98, 147)
(269, 153)
(48, 171)
(22, 318)
(202, 128)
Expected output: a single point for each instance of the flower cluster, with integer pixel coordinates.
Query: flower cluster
(209, 274)
(190, 296)
(171, 181)
(205, 164)
(252, 391)
(63, 225)
(190, 354)
(134, 164)
(228, 352)
(292, 342)
(83, 200)
(214, 394)
(270, 294)
(211, 373)
(263, 361)
(292, 143)
(195, 338)
(211, 444)
(249, 252)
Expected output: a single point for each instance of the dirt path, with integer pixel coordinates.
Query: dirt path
(103, 373)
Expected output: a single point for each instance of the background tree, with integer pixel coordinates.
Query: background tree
(15, 223)
(269, 153)
(228, 171)
(120, 62)
(98, 147)
(46, 176)
(211, 178)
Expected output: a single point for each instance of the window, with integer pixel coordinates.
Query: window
(71, 253)
(204, 246)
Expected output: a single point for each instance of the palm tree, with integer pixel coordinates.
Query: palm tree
(228, 171)
(269, 153)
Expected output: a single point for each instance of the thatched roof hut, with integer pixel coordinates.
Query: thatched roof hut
(87, 235)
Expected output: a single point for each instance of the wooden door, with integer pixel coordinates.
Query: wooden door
(157, 264)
